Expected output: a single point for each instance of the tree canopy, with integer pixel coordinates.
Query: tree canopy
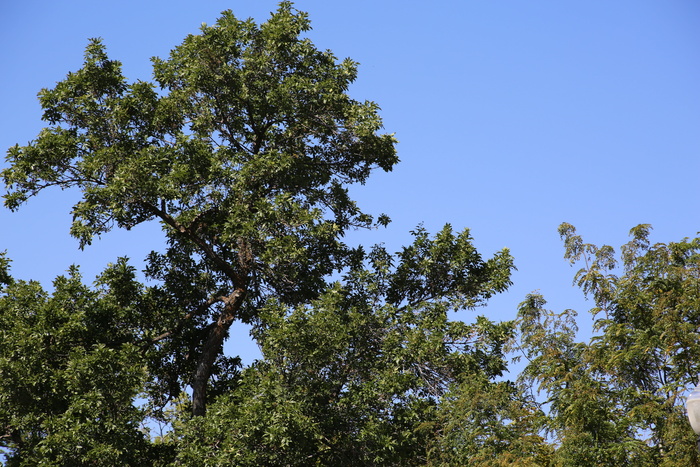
(617, 400)
(243, 148)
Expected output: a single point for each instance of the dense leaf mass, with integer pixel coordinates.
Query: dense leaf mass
(243, 148)
(243, 151)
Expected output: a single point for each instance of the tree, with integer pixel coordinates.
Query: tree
(71, 371)
(358, 376)
(243, 151)
(616, 399)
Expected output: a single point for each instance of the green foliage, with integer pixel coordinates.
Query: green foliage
(70, 372)
(585, 417)
(487, 423)
(616, 400)
(242, 149)
(358, 376)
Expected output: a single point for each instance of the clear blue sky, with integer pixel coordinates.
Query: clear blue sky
(512, 117)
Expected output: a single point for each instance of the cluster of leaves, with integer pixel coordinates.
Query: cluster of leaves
(616, 400)
(71, 369)
(356, 377)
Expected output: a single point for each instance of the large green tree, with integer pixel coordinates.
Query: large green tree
(243, 149)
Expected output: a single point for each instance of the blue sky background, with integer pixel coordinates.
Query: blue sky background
(512, 117)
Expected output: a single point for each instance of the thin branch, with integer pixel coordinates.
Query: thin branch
(225, 267)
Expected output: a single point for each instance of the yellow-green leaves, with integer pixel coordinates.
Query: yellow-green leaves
(616, 399)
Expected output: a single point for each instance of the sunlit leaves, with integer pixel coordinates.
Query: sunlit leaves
(71, 372)
(356, 377)
(617, 399)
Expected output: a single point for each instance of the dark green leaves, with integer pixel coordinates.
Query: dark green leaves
(71, 372)
(448, 266)
(356, 378)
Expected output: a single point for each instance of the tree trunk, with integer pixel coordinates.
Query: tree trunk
(213, 346)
